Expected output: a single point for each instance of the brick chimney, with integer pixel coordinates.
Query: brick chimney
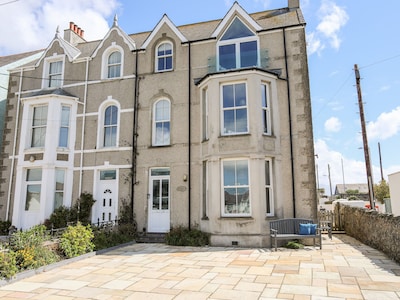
(293, 4)
(74, 34)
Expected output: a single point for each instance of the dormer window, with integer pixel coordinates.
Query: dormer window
(164, 57)
(112, 62)
(53, 72)
(114, 65)
(238, 47)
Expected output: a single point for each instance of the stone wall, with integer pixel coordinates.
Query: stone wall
(380, 231)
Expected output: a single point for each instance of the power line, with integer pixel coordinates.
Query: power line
(9, 2)
(379, 61)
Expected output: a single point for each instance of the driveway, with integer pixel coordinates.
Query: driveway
(343, 269)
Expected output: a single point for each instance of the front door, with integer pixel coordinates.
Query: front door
(106, 197)
(159, 201)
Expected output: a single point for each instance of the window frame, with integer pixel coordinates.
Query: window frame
(155, 141)
(66, 126)
(268, 188)
(266, 109)
(224, 130)
(105, 57)
(101, 120)
(46, 83)
(30, 183)
(164, 57)
(33, 127)
(59, 191)
(237, 43)
(205, 113)
(110, 138)
(235, 186)
(114, 65)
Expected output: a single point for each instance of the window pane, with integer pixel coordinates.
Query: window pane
(39, 116)
(267, 173)
(237, 30)
(228, 96)
(248, 54)
(229, 173)
(243, 200)
(56, 67)
(264, 102)
(63, 142)
(227, 57)
(111, 115)
(114, 58)
(168, 63)
(229, 121)
(165, 194)
(242, 172)
(162, 110)
(65, 110)
(159, 172)
(240, 94)
(156, 195)
(32, 202)
(34, 175)
(241, 120)
(230, 200)
(38, 137)
(268, 200)
(108, 175)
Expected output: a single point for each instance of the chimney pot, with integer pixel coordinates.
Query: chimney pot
(82, 31)
(71, 25)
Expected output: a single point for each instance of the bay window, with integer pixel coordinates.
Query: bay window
(234, 109)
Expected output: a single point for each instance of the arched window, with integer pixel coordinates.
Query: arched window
(164, 55)
(110, 126)
(114, 65)
(161, 123)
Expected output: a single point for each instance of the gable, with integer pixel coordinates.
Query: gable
(236, 13)
(164, 21)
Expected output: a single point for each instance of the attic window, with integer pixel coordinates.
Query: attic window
(238, 47)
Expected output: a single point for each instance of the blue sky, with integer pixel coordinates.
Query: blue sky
(340, 33)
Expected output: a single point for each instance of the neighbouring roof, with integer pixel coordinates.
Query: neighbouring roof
(342, 188)
(6, 60)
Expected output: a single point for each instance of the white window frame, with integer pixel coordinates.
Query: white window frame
(67, 126)
(59, 191)
(101, 118)
(27, 184)
(235, 186)
(164, 56)
(46, 71)
(266, 110)
(33, 127)
(269, 200)
(224, 130)
(237, 42)
(113, 64)
(205, 112)
(155, 141)
(106, 54)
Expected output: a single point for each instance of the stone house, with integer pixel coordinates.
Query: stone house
(203, 125)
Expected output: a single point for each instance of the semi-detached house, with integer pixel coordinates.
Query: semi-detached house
(205, 125)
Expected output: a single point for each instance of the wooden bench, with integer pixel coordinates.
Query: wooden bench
(286, 229)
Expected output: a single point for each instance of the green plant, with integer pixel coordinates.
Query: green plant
(8, 264)
(34, 237)
(77, 240)
(181, 236)
(294, 245)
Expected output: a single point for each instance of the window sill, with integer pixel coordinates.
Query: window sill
(235, 218)
(163, 71)
(235, 135)
(159, 146)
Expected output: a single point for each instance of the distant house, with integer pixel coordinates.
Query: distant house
(394, 186)
(206, 124)
(360, 190)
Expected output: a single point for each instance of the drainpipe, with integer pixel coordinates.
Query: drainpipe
(83, 127)
(290, 123)
(135, 132)
(14, 147)
(189, 135)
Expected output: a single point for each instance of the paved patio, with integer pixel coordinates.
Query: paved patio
(343, 269)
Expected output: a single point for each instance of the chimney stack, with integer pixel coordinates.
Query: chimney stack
(74, 34)
(293, 4)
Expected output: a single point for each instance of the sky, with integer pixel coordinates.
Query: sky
(340, 34)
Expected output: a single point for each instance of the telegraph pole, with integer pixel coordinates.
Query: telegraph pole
(380, 161)
(365, 140)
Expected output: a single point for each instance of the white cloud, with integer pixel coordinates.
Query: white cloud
(31, 24)
(333, 124)
(332, 19)
(386, 125)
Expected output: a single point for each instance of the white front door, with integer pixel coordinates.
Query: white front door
(106, 197)
(159, 201)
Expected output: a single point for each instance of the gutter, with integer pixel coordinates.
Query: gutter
(189, 136)
(290, 124)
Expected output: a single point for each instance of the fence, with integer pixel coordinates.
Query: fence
(334, 217)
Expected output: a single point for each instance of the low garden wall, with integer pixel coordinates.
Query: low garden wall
(380, 231)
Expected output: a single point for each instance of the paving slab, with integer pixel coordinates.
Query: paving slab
(343, 269)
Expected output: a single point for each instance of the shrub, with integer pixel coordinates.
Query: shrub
(8, 264)
(30, 252)
(294, 245)
(120, 234)
(4, 226)
(77, 240)
(181, 236)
